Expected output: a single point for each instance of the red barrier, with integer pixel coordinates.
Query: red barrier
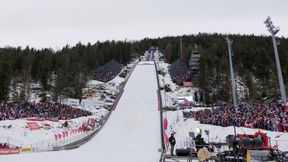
(52, 120)
(9, 151)
(34, 119)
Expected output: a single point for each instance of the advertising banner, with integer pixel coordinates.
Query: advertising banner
(9, 151)
(33, 126)
(187, 84)
(24, 150)
(38, 149)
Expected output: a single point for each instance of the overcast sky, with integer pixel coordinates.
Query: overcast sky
(54, 23)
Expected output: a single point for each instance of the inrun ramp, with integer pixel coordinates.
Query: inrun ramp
(131, 134)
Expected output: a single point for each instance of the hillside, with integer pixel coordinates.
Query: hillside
(65, 71)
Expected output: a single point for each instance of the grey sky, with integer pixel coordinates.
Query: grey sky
(54, 23)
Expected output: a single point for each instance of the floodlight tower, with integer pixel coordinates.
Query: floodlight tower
(229, 43)
(274, 30)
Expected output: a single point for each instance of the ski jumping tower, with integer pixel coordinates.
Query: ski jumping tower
(194, 60)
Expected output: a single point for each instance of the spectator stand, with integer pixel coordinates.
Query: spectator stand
(180, 72)
(107, 72)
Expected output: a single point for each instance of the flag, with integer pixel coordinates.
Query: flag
(56, 137)
(66, 133)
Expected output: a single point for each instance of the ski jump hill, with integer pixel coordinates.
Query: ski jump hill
(131, 134)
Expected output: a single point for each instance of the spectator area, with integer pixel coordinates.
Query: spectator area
(180, 72)
(271, 116)
(6, 146)
(107, 72)
(20, 110)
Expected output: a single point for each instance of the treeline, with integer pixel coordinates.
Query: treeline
(62, 72)
(253, 61)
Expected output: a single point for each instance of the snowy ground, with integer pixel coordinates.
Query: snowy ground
(19, 134)
(131, 134)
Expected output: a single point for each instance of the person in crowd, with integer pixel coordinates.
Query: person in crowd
(172, 141)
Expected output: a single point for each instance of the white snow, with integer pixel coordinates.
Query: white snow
(131, 134)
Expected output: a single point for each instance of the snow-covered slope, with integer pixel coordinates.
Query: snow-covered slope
(131, 134)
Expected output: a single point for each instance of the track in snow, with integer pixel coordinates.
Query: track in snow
(131, 134)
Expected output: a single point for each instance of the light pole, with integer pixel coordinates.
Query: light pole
(229, 43)
(274, 30)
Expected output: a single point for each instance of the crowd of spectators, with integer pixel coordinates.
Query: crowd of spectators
(270, 116)
(20, 110)
(107, 72)
(4, 146)
(180, 72)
